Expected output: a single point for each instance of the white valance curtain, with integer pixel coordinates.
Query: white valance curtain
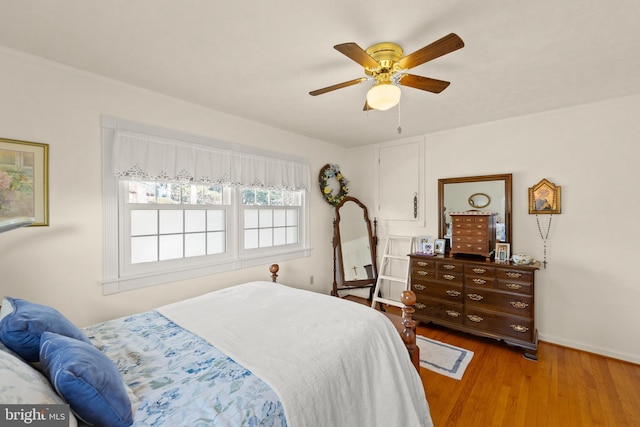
(154, 158)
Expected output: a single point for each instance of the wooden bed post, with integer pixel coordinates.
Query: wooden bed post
(408, 334)
(273, 268)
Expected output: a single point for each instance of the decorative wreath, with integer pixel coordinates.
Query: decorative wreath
(328, 172)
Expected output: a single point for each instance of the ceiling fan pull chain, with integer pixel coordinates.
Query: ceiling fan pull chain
(399, 125)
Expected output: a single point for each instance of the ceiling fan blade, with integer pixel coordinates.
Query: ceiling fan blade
(423, 83)
(446, 44)
(338, 86)
(357, 54)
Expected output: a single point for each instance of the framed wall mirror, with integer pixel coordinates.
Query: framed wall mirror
(354, 248)
(491, 193)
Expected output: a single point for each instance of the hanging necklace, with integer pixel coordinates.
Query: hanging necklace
(544, 237)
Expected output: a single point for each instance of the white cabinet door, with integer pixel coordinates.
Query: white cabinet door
(400, 181)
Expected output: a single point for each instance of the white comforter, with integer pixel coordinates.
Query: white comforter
(331, 362)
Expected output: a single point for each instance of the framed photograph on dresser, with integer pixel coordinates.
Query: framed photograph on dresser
(425, 245)
(440, 246)
(502, 252)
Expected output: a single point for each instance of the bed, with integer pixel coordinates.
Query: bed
(253, 354)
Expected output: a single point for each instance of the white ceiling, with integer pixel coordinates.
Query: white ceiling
(260, 59)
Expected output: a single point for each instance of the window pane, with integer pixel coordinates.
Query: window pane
(279, 237)
(292, 217)
(194, 220)
(216, 220)
(142, 192)
(266, 218)
(276, 198)
(248, 196)
(170, 247)
(171, 221)
(170, 193)
(144, 222)
(250, 218)
(212, 195)
(279, 218)
(194, 244)
(144, 249)
(292, 235)
(262, 197)
(216, 243)
(250, 239)
(266, 237)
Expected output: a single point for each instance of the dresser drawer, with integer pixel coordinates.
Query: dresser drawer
(479, 281)
(499, 301)
(446, 291)
(423, 264)
(479, 270)
(521, 276)
(470, 247)
(476, 238)
(468, 232)
(450, 267)
(439, 310)
(514, 286)
(449, 276)
(422, 274)
(496, 323)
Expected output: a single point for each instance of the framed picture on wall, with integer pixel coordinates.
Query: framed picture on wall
(24, 186)
(502, 252)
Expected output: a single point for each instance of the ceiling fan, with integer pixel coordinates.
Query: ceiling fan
(385, 64)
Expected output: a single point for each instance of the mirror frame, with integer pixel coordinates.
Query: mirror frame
(506, 177)
(338, 265)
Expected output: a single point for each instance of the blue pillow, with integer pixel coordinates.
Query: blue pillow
(22, 322)
(86, 378)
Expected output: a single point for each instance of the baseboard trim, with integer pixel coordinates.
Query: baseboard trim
(632, 358)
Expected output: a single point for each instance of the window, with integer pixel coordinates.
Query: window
(270, 218)
(166, 225)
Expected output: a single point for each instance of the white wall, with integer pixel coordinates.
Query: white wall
(588, 297)
(61, 265)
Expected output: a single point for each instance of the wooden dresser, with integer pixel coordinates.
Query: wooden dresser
(481, 297)
(474, 233)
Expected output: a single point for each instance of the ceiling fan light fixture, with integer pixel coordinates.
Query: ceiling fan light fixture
(383, 96)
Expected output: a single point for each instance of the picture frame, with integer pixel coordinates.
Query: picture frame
(24, 180)
(544, 198)
(440, 246)
(425, 245)
(503, 252)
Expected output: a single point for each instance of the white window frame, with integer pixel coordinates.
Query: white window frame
(118, 279)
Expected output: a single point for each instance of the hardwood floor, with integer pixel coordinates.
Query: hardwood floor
(565, 387)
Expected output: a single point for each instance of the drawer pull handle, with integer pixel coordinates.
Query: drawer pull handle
(422, 263)
(519, 328)
(475, 297)
(422, 273)
(519, 304)
(479, 270)
(449, 276)
(479, 281)
(452, 313)
(420, 305)
(513, 286)
(513, 275)
(468, 245)
(420, 287)
(448, 267)
(475, 318)
(453, 293)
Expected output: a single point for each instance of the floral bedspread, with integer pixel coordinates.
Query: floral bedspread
(179, 379)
